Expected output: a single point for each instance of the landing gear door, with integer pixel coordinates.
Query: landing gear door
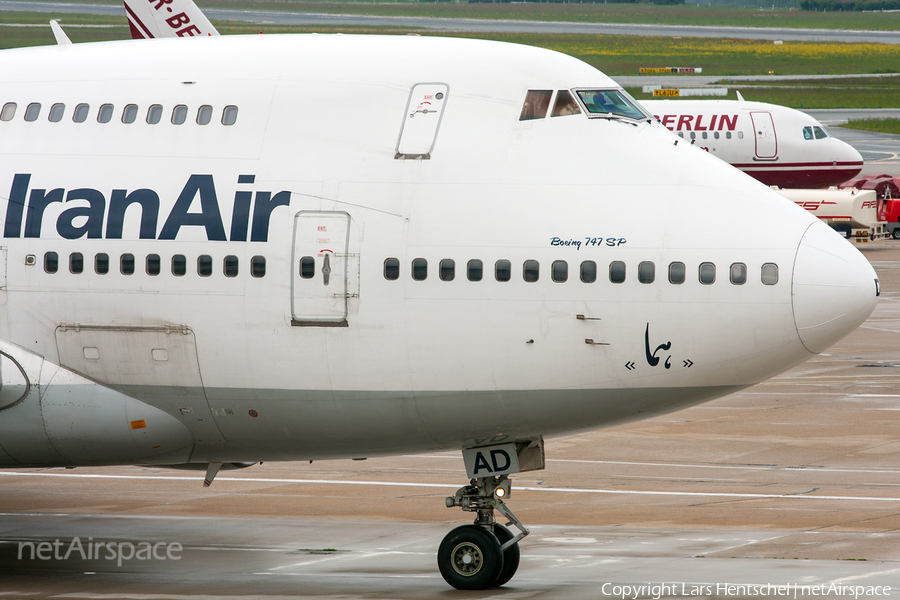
(320, 268)
(764, 131)
(421, 120)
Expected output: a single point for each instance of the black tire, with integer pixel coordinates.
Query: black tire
(470, 558)
(510, 556)
(896, 233)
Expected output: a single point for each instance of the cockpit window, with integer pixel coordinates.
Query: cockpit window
(565, 105)
(807, 133)
(820, 133)
(536, 104)
(611, 102)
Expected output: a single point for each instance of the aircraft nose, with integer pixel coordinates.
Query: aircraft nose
(834, 288)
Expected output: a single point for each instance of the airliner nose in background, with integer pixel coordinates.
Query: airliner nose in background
(777, 145)
(218, 251)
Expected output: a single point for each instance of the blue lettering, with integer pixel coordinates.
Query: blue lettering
(85, 217)
(38, 201)
(119, 203)
(208, 217)
(93, 227)
(262, 213)
(16, 206)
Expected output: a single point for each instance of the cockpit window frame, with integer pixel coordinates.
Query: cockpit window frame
(593, 115)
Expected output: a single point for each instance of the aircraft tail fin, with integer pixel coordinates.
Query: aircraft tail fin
(59, 34)
(166, 18)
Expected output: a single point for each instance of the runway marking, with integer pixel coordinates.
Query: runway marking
(797, 496)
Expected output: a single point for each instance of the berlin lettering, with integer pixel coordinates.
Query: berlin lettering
(695, 122)
(90, 211)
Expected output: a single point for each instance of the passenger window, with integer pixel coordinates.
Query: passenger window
(33, 111)
(503, 270)
(101, 263)
(738, 274)
(229, 115)
(704, 135)
(565, 105)
(727, 135)
(588, 271)
(204, 115)
(693, 135)
(531, 270)
(676, 272)
(536, 104)
(391, 269)
(716, 134)
(56, 112)
(820, 133)
(104, 115)
(81, 113)
(129, 115)
(258, 266)
(740, 135)
(179, 114)
(617, 271)
(770, 274)
(76, 263)
(153, 264)
(8, 112)
(475, 270)
(559, 271)
(154, 114)
(419, 269)
(807, 133)
(230, 266)
(707, 273)
(51, 262)
(646, 272)
(204, 265)
(179, 265)
(126, 264)
(307, 267)
(447, 269)
(681, 134)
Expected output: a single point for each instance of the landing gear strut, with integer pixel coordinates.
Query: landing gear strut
(486, 554)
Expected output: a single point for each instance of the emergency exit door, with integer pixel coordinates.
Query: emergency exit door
(422, 120)
(764, 132)
(320, 266)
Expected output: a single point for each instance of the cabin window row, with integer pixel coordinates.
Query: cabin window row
(153, 264)
(129, 113)
(559, 271)
(705, 134)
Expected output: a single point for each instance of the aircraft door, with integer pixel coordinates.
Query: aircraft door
(421, 120)
(764, 132)
(320, 268)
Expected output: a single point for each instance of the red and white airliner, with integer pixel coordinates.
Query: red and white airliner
(775, 144)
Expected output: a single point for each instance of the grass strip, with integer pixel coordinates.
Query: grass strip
(879, 125)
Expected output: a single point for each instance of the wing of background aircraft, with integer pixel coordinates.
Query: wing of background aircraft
(166, 18)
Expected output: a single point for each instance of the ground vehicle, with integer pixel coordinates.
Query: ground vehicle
(850, 211)
(887, 191)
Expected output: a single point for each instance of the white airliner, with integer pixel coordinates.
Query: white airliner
(775, 144)
(220, 250)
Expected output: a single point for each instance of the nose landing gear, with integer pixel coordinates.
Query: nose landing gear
(485, 554)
